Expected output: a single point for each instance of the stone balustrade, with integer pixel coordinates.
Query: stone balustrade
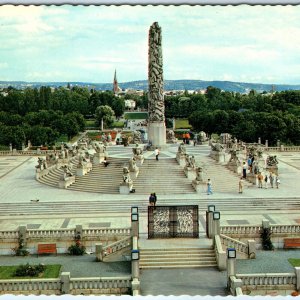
(7, 234)
(30, 286)
(50, 233)
(283, 149)
(95, 232)
(238, 245)
(263, 279)
(26, 152)
(252, 230)
(74, 286)
(101, 285)
(114, 247)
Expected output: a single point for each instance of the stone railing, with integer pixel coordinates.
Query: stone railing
(50, 233)
(114, 247)
(220, 253)
(235, 286)
(254, 230)
(238, 245)
(30, 286)
(263, 279)
(96, 232)
(67, 285)
(7, 235)
(26, 152)
(101, 285)
(283, 149)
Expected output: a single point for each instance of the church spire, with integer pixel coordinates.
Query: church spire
(116, 88)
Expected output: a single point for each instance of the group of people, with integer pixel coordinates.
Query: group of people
(266, 180)
(186, 137)
(152, 199)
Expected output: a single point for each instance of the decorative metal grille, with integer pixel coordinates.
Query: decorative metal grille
(173, 221)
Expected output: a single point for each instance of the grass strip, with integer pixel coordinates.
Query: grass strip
(8, 272)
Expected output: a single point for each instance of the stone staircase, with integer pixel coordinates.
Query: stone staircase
(162, 177)
(53, 177)
(102, 179)
(177, 258)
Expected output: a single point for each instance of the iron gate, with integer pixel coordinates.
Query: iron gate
(173, 221)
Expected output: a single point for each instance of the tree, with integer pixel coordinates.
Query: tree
(105, 113)
(118, 106)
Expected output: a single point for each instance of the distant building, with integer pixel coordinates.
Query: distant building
(130, 104)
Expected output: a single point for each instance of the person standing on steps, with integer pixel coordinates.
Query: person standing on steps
(156, 152)
(277, 181)
(209, 187)
(260, 180)
(241, 185)
(152, 200)
(244, 170)
(155, 199)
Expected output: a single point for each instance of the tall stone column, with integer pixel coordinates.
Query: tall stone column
(156, 105)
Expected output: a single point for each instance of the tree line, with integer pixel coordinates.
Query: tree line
(271, 117)
(42, 115)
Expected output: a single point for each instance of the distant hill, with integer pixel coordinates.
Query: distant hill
(241, 87)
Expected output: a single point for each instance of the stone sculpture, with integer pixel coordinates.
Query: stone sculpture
(156, 106)
(181, 149)
(132, 165)
(272, 161)
(137, 137)
(171, 136)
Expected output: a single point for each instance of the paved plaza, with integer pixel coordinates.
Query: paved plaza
(59, 208)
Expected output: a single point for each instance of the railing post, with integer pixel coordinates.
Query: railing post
(99, 251)
(78, 234)
(135, 267)
(65, 282)
(297, 271)
(251, 249)
(215, 224)
(231, 264)
(209, 220)
(135, 221)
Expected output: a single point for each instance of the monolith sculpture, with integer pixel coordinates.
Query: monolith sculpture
(156, 105)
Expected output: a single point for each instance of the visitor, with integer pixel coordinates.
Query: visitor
(267, 181)
(105, 162)
(244, 170)
(260, 180)
(195, 140)
(209, 187)
(183, 138)
(250, 164)
(271, 179)
(152, 199)
(241, 185)
(277, 181)
(155, 199)
(187, 138)
(156, 152)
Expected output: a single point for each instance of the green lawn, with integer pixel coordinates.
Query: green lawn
(118, 124)
(62, 138)
(295, 262)
(182, 123)
(136, 116)
(90, 123)
(7, 272)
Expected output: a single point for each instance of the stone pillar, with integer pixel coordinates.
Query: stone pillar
(252, 249)
(102, 126)
(156, 105)
(99, 251)
(266, 143)
(10, 147)
(266, 224)
(297, 271)
(259, 140)
(78, 232)
(135, 228)
(209, 223)
(135, 286)
(215, 228)
(65, 282)
(23, 146)
(173, 124)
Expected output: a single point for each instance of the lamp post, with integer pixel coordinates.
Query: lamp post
(209, 216)
(135, 221)
(231, 264)
(135, 259)
(216, 215)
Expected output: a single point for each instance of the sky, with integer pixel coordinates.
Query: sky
(87, 43)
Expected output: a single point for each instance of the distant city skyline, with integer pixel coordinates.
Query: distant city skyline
(259, 44)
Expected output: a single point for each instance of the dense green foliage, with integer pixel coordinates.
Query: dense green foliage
(247, 117)
(42, 115)
(266, 239)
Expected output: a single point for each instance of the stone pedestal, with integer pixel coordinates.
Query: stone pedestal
(219, 156)
(99, 251)
(190, 173)
(157, 134)
(63, 184)
(65, 282)
(98, 158)
(199, 186)
(125, 188)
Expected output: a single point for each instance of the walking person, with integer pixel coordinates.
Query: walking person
(152, 199)
(277, 181)
(241, 185)
(209, 187)
(156, 152)
(267, 181)
(271, 178)
(244, 170)
(155, 199)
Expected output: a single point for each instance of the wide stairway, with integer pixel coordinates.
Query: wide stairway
(101, 179)
(177, 258)
(162, 177)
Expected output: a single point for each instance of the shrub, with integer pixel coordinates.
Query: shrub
(29, 270)
(76, 249)
(266, 239)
